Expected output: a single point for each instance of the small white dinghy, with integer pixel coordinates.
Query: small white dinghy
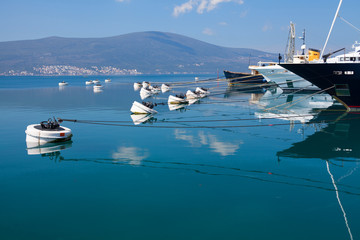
(192, 95)
(178, 99)
(63, 83)
(108, 80)
(143, 108)
(89, 82)
(202, 91)
(145, 84)
(96, 81)
(154, 89)
(47, 132)
(165, 88)
(98, 87)
(145, 93)
(137, 86)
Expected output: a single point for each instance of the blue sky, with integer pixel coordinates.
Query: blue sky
(258, 24)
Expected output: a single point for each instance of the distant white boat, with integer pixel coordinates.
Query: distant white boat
(107, 80)
(96, 81)
(89, 82)
(165, 88)
(137, 86)
(143, 108)
(63, 83)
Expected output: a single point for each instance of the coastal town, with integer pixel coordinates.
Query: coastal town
(67, 70)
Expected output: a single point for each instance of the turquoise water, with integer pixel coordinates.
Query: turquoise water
(185, 174)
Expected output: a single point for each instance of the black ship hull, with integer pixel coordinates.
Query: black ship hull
(340, 80)
(239, 77)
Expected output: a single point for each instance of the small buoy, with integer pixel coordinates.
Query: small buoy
(48, 131)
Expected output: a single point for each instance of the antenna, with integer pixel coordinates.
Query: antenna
(303, 46)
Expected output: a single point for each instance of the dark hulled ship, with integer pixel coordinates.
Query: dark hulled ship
(246, 78)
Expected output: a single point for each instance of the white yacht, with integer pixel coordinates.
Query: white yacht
(285, 79)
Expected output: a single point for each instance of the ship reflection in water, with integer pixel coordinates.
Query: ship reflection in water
(50, 150)
(339, 145)
(301, 107)
(338, 140)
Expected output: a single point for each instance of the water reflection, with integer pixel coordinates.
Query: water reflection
(292, 107)
(49, 150)
(130, 155)
(339, 139)
(142, 118)
(206, 139)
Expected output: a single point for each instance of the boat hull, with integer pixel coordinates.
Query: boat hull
(284, 78)
(238, 77)
(340, 80)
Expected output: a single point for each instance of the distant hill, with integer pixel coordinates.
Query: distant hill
(148, 52)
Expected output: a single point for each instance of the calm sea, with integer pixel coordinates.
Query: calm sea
(239, 164)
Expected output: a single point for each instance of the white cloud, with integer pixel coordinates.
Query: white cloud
(223, 23)
(208, 31)
(200, 5)
(267, 27)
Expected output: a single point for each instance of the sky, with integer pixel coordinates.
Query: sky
(257, 24)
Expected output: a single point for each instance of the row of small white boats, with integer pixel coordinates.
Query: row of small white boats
(174, 102)
(90, 82)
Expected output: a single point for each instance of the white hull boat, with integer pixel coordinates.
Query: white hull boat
(165, 88)
(155, 89)
(137, 86)
(61, 84)
(283, 78)
(108, 80)
(98, 87)
(96, 81)
(144, 108)
(145, 93)
(177, 100)
(203, 91)
(145, 84)
(47, 132)
(89, 82)
(191, 95)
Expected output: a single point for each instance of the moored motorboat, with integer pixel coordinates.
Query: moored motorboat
(108, 80)
(194, 95)
(165, 88)
(246, 78)
(96, 81)
(203, 91)
(143, 108)
(145, 84)
(155, 89)
(98, 86)
(145, 93)
(89, 82)
(177, 99)
(47, 132)
(137, 86)
(63, 83)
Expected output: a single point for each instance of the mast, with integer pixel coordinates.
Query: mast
(331, 28)
(290, 46)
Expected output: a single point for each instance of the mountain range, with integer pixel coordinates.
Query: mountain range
(148, 52)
